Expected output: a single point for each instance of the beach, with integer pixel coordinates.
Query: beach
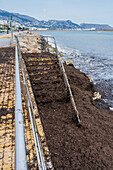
(87, 146)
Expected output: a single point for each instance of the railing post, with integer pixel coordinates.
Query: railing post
(11, 31)
(20, 155)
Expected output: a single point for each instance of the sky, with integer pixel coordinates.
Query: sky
(78, 11)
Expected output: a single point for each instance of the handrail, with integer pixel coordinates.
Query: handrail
(54, 41)
(39, 152)
(20, 155)
(76, 116)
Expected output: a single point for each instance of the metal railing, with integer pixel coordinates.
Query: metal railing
(20, 155)
(53, 45)
(39, 151)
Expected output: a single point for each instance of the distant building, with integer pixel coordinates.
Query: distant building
(43, 29)
(35, 28)
(5, 23)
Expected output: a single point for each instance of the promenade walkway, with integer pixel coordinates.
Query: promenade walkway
(5, 39)
(7, 107)
(7, 115)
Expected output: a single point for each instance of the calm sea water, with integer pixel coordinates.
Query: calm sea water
(92, 52)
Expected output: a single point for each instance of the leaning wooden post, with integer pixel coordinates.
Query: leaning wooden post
(76, 116)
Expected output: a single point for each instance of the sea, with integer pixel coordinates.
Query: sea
(92, 53)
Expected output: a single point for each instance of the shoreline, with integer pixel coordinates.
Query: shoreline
(71, 30)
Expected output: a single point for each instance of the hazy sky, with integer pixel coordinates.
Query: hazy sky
(79, 11)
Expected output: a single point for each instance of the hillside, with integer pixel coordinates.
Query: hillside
(51, 24)
(30, 21)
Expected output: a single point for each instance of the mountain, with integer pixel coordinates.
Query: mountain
(96, 26)
(58, 24)
(51, 24)
(22, 19)
(30, 21)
